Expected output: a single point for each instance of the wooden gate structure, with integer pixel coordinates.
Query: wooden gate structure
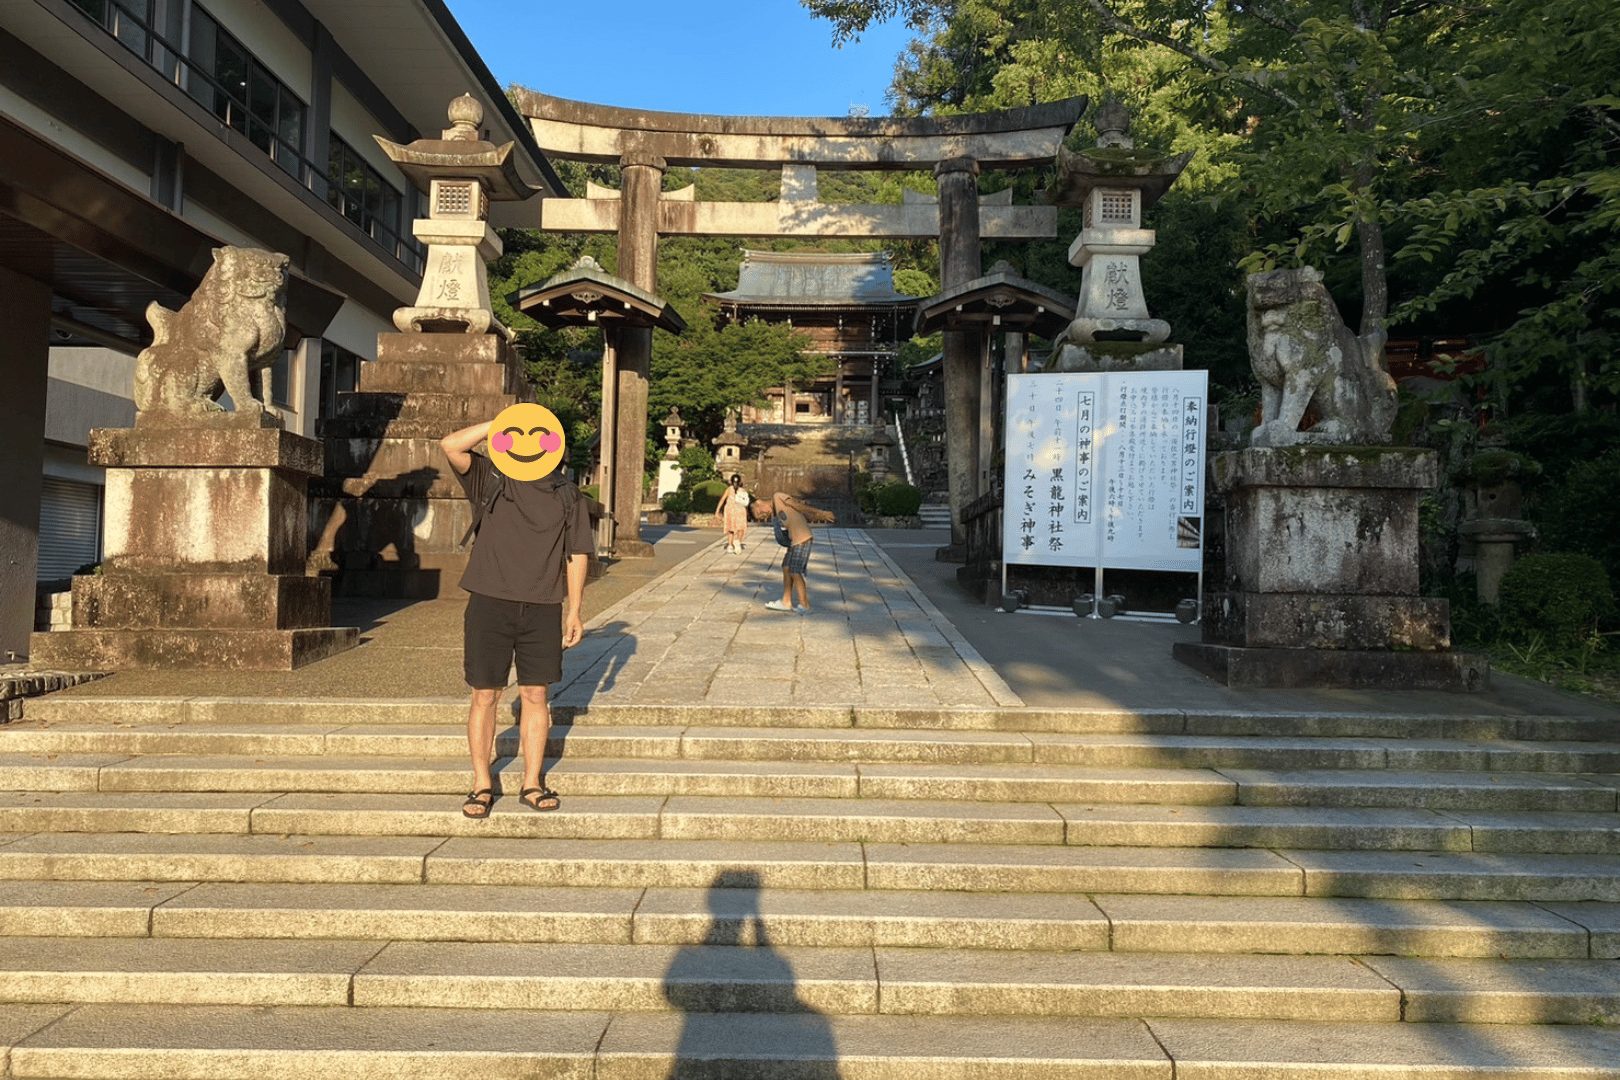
(645, 144)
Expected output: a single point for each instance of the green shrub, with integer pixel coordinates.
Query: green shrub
(676, 502)
(898, 499)
(1582, 515)
(697, 465)
(592, 491)
(706, 496)
(1561, 597)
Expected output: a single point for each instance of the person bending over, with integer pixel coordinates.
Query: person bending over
(526, 584)
(792, 524)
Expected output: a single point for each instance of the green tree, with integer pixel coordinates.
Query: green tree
(1446, 162)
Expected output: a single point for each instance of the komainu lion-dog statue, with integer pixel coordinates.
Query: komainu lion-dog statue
(1306, 357)
(232, 328)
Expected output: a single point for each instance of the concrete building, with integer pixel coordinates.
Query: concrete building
(135, 136)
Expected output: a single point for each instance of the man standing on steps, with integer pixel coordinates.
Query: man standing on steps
(526, 577)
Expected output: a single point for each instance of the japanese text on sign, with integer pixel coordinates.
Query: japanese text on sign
(1106, 470)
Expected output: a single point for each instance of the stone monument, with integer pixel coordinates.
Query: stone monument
(389, 514)
(1321, 586)
(207, 513)
(1114, 182)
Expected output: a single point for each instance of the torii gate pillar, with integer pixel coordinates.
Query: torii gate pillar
(643, 178)
(959, 262)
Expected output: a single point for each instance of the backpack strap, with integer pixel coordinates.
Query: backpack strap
(482, 501)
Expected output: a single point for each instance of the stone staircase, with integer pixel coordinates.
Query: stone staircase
(212, 887)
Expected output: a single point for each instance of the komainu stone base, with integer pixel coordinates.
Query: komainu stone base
(233, 650)
(1354, 669)
(206, 541)
(1321, 584)
(1317, 621)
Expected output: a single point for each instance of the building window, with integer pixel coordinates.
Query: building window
(130, 21)
(230, 82)
(226, 79)
(340, 374)
(359, 193)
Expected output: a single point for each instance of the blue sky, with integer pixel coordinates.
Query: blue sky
(756, 57)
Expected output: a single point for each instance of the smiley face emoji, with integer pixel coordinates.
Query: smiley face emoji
(526, 441)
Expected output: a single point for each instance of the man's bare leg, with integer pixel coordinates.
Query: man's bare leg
(481, 739)
(803, 590)
(787, 584)
(535, 726)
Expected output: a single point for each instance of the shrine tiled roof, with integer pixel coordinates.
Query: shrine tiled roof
(814, 279)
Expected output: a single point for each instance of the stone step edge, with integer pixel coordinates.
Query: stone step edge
(368, 976)
(1527, 726)
(612, 817)
(849, 865)
(320, 1042)
(1089, 921)
(1030, 745)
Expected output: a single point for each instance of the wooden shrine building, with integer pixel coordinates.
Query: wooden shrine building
(846, 304)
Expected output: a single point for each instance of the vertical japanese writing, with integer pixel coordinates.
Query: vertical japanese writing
(1084, 454)
(1191, 472)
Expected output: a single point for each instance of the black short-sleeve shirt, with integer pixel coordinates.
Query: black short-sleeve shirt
(520, 550)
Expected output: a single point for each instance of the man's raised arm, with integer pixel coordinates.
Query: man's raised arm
(457, 446)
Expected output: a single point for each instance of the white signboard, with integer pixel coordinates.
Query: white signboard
(1106, 470)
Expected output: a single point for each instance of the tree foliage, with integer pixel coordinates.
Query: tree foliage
(1450, 164)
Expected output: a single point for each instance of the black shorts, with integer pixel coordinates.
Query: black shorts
(494, 631)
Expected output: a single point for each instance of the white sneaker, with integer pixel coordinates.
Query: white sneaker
(777, 605)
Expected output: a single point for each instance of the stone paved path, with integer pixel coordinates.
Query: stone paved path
(701, 635)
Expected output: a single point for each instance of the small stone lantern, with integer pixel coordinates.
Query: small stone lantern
(673, 425)
(669, 469)
(729, 443)
(877, 453)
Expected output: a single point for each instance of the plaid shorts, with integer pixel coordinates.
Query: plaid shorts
(797, 558)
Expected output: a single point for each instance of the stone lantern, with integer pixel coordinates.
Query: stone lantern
(1114, 183)
(461, 174)
(673, 427)
(729, 443)
(877, 453)
(669, 469)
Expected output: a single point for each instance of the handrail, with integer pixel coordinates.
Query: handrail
(905, 455)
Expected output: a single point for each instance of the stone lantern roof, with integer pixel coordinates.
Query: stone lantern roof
(460, 154)
(730, 436)
(1115, 162)
(674, 418)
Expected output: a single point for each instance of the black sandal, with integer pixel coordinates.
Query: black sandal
(541, 794)
(474, 800)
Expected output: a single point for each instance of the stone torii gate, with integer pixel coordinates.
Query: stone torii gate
(645, 144)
